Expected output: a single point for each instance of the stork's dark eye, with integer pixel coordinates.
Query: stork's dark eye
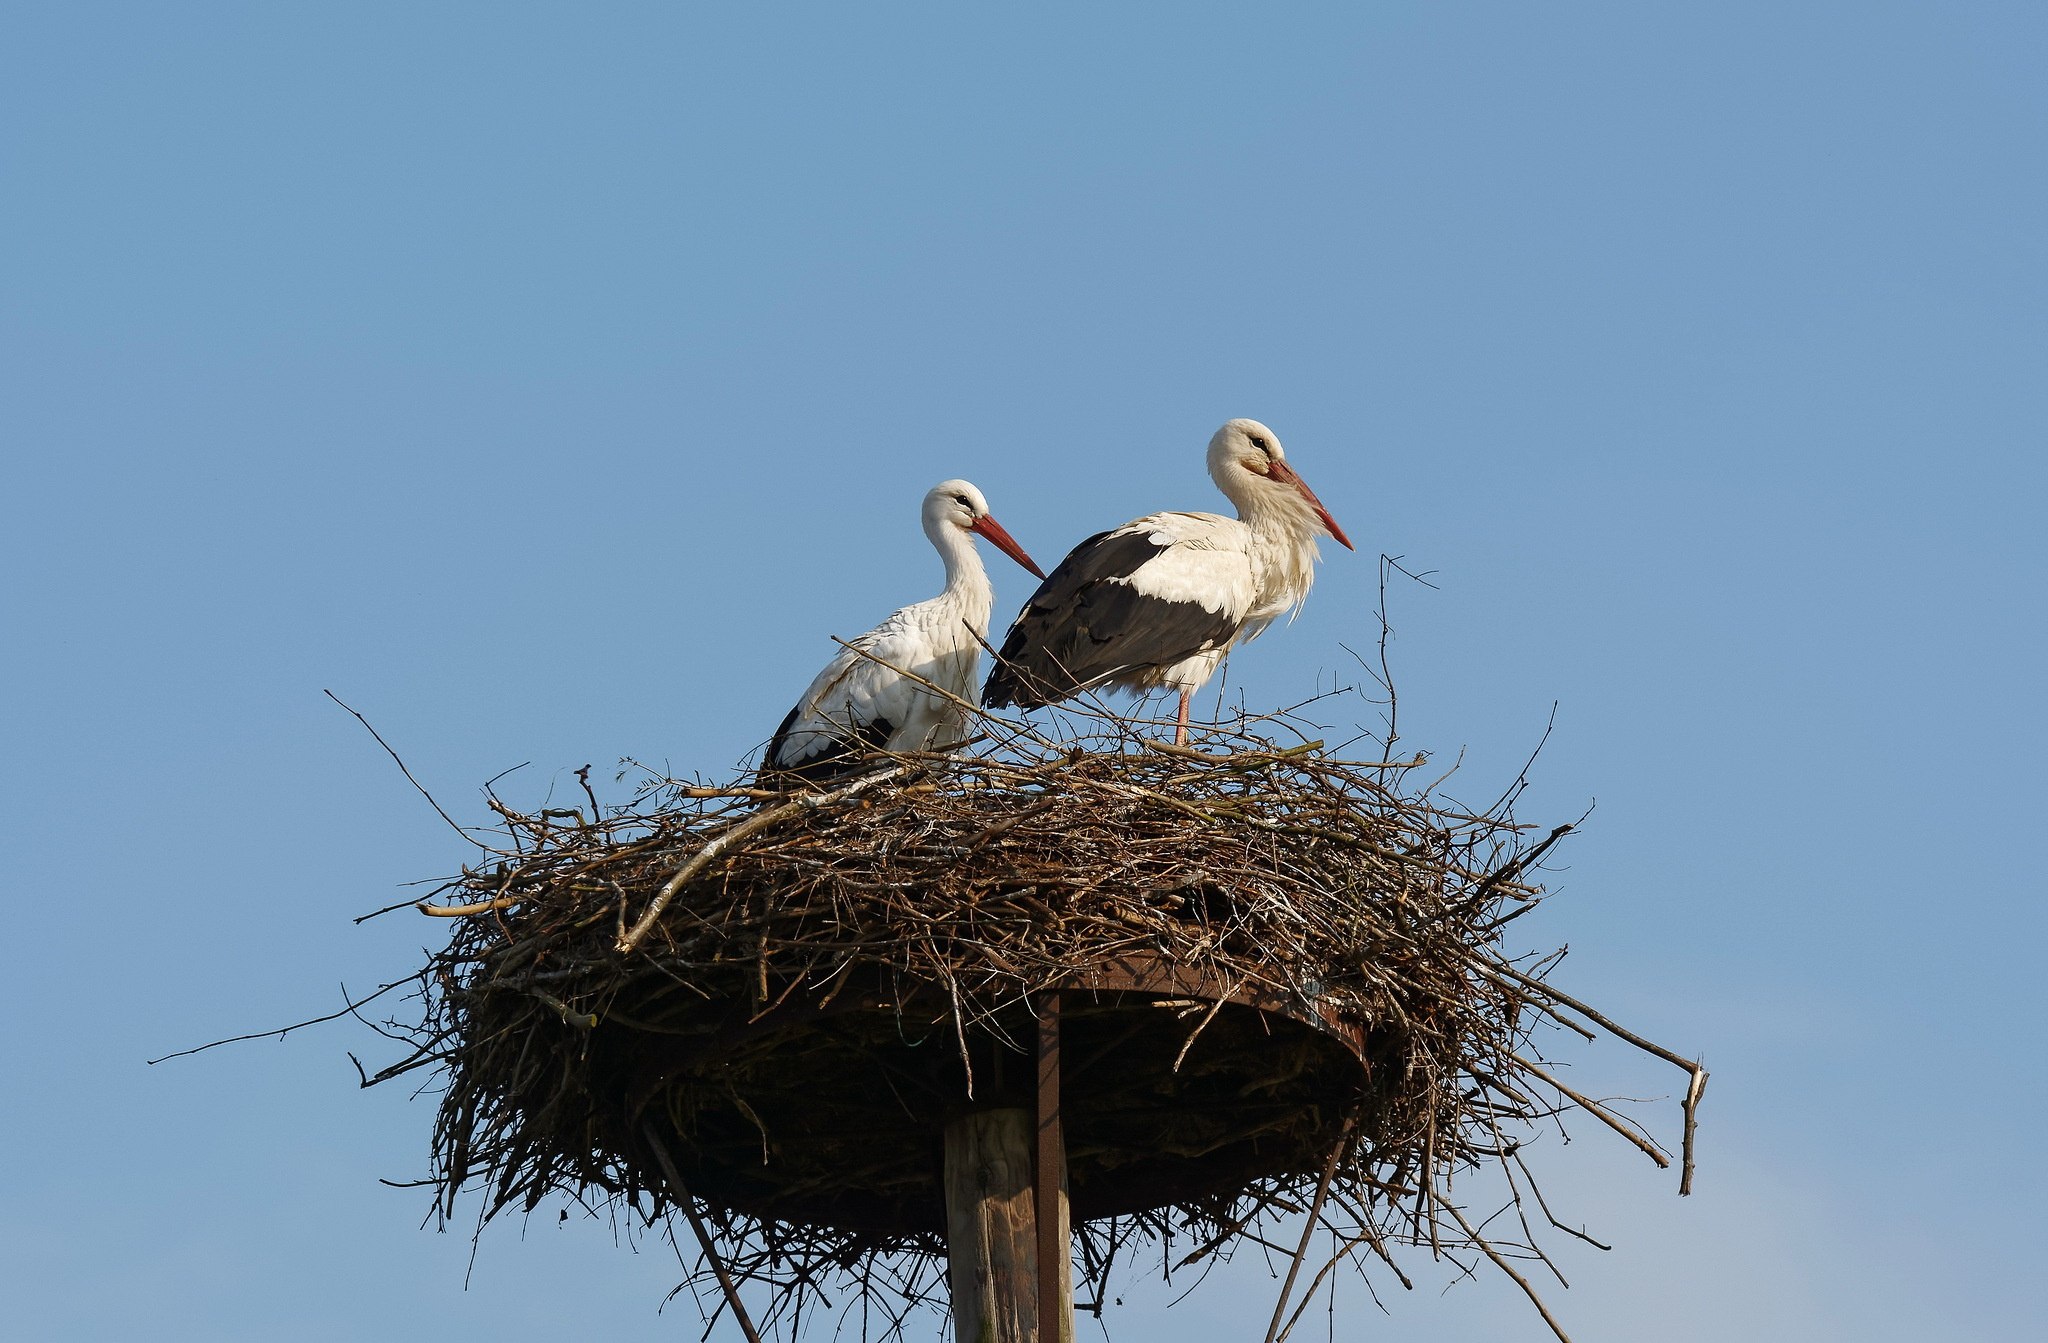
(961, 500)
(1262, 445)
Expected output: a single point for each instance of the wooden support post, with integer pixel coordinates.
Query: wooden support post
(1008, 1230)
(991, 1245)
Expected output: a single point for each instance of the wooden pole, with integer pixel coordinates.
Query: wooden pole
(1008, 1229)
(991, 1241)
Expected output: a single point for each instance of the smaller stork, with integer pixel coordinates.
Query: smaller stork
(860, 704)
(1160, 601)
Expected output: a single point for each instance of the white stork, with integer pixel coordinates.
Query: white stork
(1160, 601)
(860, 704)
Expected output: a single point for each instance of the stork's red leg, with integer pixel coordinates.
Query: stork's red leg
(1180, 726)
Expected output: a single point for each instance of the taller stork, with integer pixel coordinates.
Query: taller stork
(1158, 602)
(862, 701)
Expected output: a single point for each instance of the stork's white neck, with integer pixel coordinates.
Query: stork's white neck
(1284, 529)
(967, 582)
(956, 548)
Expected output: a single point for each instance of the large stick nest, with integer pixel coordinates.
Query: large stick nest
(1279, 973)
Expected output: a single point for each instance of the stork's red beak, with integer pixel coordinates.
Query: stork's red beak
(1003, 541)
(1284, 473)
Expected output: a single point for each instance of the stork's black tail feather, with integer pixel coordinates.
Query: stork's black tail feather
(1011, 685)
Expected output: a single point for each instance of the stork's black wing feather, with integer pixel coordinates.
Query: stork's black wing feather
(846, 753)
(1080, 629)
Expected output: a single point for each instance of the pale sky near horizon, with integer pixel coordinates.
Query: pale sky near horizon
(550, 382)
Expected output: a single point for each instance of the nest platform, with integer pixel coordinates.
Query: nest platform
(1277, 974)
(1174, 1088)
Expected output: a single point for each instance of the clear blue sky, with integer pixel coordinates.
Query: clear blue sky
(551, 381)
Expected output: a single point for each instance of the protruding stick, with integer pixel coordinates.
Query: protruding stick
(681, 1193)
(1274, 1333)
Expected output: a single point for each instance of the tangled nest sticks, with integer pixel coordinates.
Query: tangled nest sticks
(1282, 979)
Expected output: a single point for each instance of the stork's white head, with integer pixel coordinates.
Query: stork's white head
(1248, 464)
(955, 505)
